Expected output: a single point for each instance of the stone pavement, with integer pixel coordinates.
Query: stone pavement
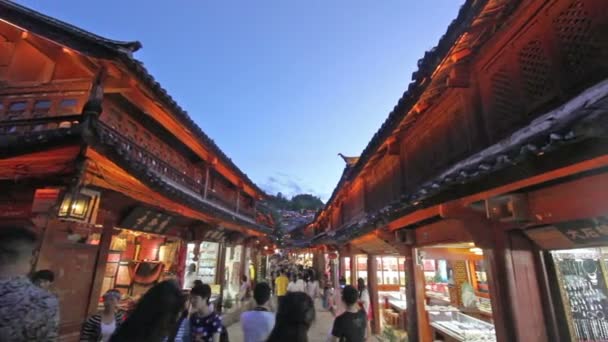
(317, 333)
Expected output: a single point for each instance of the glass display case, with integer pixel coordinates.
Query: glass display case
(461, 327)
(582, 278)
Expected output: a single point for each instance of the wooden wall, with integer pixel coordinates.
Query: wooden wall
(546, 52)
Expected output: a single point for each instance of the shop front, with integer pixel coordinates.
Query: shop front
(456, 298)
(576, 262)
(202, 263)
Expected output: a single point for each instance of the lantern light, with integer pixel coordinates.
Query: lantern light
(476, 250)
(80, 206)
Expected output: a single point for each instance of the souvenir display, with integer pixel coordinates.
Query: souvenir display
(584, 287)
(462, 327)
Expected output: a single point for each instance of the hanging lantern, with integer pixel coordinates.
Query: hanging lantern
(80, 205)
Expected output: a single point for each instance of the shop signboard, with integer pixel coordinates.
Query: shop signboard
(148, 220)
(585, 232)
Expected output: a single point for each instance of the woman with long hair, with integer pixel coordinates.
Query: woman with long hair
(155, 315)
(294, 317)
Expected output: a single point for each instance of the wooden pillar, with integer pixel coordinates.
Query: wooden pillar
(353, 268)
(243, 262)
(221, 270)
(491, 238)
(410, 292)
(425, 333)
(206, 181)
(372, 285)
(100, 264)
(341, 268)
(238, 200)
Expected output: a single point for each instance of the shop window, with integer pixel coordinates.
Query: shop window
(581, 274)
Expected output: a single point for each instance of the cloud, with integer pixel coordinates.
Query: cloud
(287, 185)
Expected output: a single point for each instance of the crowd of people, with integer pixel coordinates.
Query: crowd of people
(30, 312)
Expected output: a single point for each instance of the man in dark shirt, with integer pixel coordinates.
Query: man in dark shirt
(350, 326)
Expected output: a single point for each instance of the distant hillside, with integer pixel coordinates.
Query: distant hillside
(296, 203)
(290, 213)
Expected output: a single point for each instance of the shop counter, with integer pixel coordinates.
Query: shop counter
(456, 326)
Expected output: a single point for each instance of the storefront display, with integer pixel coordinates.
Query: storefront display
(461, 327)
(582, 278)
(136, 261)
(201, 263)
(233, 273)
(458, 304)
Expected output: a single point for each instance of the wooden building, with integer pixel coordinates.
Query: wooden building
(486, 180)
(113, 173)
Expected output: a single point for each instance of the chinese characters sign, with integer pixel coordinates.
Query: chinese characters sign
(585, 231)
(147, 220)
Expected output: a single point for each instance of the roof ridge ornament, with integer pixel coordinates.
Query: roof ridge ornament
(350, 161)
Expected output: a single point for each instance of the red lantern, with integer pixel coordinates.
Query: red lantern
(269, 251)
(332, 255)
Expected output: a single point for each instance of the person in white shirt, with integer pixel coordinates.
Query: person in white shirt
(297, 286)
(312, 287)
(258, 323)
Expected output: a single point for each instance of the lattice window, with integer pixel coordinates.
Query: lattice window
(535, 71)
(573, 26)
(505, 107)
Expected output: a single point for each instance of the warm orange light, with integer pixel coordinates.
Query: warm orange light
(24, 34)
(66, 50)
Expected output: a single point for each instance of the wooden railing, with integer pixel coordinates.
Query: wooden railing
(37, 125)
(141, 155)
(123, 145)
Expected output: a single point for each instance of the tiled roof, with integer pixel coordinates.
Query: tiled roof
(97, 46)
(582, 118)
(420, 82)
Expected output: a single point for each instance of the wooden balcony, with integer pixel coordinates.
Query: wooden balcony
(42, 130)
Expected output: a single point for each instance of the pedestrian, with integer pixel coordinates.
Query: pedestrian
(364, 297)
(312, 287)
(293, 320)
(101, 326)
(351, 325)
(27, 312)
(326, 293)
(155, 316)
(191, 276)
(337, 305)
(43, 279)
(258, 323)
(297, 284)
(281, 284)
(204, 324)
(244, 291)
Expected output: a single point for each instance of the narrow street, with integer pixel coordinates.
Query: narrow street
(317, 333)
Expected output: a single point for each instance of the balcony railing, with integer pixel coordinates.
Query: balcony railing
(179, 178)
(38, 125)
(163, 169)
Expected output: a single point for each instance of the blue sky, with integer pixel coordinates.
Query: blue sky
(282, 86)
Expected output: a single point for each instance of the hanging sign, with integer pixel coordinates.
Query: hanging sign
(148, 220)
(585, 231)
(15, 210)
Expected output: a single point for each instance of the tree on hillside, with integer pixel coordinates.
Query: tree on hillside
(306, 202)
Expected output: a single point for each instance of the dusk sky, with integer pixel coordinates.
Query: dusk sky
(282, 86)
